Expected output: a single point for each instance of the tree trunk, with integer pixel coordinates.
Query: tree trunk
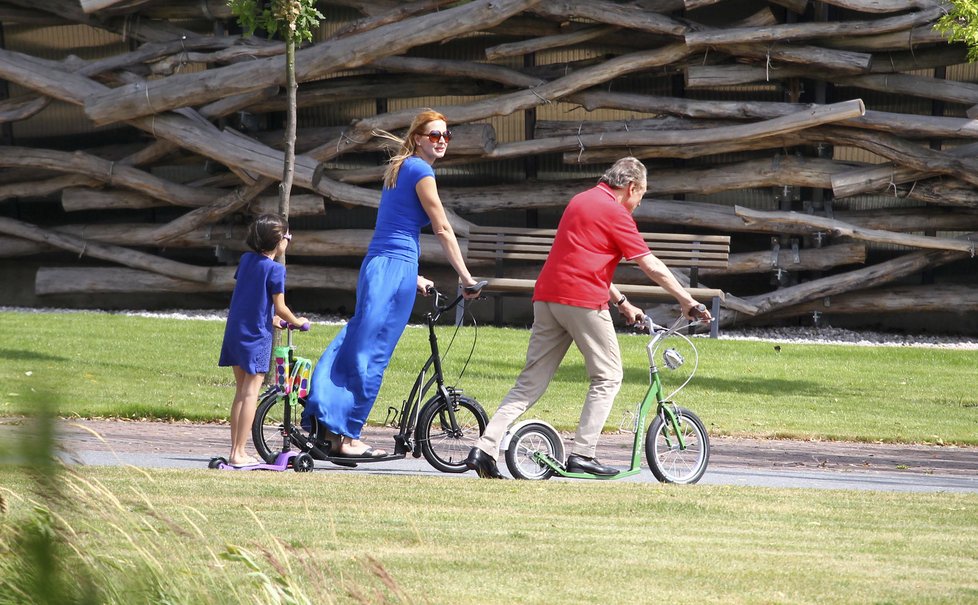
(142, 99)
(867, 277)
(116, 254)
(78, 199)
(288, 169)
(231, 202)
(794, 222)
(944, 298)
(112, 280)
(808, 31)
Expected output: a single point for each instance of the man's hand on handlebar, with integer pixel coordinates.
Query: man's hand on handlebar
(697, 312)
(642, 324)
(631, 313)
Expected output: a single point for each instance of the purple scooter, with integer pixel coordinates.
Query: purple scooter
(291, 382)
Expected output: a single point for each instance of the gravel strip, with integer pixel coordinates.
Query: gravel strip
(801, 335)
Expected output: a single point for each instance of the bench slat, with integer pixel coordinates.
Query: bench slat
(703, 261)
(490, 232)
(526, 247)
(539, 244)
(638, 292)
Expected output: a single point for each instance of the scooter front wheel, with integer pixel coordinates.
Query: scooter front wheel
(303, 463)
(529, 439)
(447, 430)
(670, 461)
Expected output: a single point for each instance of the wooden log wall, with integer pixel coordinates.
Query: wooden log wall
(832, 139)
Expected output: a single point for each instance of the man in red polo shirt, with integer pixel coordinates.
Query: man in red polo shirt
(570, 304)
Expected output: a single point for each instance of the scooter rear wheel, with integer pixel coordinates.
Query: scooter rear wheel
(527, 440)
(268, 428)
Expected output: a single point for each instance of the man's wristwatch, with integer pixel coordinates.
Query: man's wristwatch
(621, 301)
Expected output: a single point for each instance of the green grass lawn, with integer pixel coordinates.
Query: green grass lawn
(131, 536)
(100, 365)
(356, 538)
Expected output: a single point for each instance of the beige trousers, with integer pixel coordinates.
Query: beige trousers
(555, 326)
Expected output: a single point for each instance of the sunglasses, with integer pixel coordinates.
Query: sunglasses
(436, 135)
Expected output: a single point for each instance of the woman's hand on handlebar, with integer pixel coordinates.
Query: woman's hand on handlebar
(426, 287)
(472, 289)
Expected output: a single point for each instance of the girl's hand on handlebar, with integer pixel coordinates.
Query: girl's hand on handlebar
(301, 323)
(425, 286)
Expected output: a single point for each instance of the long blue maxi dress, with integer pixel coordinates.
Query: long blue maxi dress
(347, 377)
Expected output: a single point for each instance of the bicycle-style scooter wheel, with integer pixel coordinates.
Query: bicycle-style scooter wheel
(445, 444)
(670, 462)
(527, 440)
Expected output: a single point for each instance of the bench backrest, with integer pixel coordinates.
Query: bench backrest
(524, 244)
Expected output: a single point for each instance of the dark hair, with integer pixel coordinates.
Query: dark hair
(266, 232)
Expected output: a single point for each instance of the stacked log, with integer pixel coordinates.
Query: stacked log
(782, 123)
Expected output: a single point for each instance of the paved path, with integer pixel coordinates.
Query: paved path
(753, 462)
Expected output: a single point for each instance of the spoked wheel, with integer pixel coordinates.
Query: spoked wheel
(671, 463)
(268, 428)
(528, 440)
(447, 430)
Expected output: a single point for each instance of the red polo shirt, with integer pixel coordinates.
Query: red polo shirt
(595, 233)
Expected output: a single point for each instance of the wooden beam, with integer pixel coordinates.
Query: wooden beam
(152, 97)
(794, 222)
(116, 254)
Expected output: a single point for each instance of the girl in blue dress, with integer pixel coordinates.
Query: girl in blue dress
(258, 290)
(347, 378)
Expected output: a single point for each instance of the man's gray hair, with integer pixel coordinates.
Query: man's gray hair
(625, 171)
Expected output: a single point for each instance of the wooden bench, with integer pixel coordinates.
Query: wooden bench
(519, 253)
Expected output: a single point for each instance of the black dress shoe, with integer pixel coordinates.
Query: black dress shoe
(483, 464)
(577, 463)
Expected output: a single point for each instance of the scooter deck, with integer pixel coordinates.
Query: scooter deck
(353, 461)
(282, 462)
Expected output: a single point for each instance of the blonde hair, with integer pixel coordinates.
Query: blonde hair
(407, 145)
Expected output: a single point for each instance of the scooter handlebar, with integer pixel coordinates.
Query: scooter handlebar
(286, 325)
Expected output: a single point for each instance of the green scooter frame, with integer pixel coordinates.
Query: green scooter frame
(676, 443)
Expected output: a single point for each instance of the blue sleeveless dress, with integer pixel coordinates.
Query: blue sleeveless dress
(347, 377)
(248, 332)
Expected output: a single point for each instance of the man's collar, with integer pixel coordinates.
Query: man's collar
(607, 189)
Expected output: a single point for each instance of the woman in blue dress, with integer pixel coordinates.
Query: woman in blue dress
(347, 378)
